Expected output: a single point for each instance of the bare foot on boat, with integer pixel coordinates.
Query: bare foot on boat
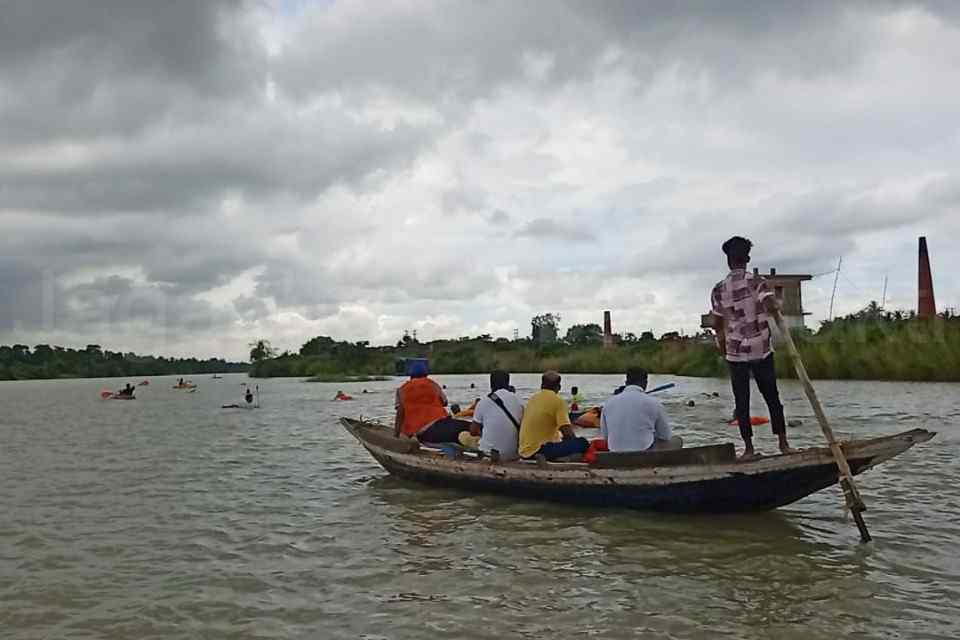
(785, 447)
(747, 455)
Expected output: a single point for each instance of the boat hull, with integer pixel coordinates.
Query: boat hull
(759, 485)
(725, 495)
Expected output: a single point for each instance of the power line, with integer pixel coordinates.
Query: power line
(834, 294)
(825, 273)
(852, 283)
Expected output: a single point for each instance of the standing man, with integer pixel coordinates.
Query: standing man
(741, 304)
(546, 418)
(634, 421)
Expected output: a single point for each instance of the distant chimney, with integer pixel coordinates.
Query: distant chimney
(773, 271)
(607, 331)
(926, 305)
(756, 271)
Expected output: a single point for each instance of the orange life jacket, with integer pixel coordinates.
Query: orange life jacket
(422, 402)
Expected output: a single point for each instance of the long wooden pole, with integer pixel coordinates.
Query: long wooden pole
(850, 492)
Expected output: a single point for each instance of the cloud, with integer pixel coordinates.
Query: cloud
(499, 217)
(183, 177)
(547, 229)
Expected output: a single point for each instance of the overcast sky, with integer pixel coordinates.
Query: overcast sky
(182, 177)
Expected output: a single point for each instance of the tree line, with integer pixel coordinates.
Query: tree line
(43, 361)
(869, 344)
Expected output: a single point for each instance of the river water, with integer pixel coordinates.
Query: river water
(168, 517)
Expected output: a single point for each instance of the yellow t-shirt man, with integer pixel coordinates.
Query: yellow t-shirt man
(543, 416)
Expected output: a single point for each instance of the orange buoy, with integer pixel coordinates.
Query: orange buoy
(756, 421)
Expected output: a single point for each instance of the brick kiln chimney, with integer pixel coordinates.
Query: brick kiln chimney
(926, 305)
(607, 331)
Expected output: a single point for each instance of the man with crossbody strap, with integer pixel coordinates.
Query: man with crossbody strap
(497, 418)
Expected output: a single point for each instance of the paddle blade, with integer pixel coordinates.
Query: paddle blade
(663, 387)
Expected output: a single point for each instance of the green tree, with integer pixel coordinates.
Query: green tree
(584, 334)
(261, 350)
(316, 346)
(544, 328)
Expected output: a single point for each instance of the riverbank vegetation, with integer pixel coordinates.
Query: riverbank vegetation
(870, 344)
(874, 344)
(20, 362)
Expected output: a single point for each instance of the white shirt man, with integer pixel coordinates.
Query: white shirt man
(631, 420)
(499, 432)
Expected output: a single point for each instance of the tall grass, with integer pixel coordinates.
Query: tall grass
(883, 349)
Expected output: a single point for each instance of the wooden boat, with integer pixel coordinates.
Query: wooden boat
(693, 480)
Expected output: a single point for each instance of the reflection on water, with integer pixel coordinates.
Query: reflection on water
(168, 517)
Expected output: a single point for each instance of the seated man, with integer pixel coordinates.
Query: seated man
(422, 410)
(496, 419)
(545, 417)
(634, 421)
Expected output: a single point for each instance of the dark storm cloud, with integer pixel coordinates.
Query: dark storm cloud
(186, 172)
(29, 296)
(189, 256)
(111, 304)
(34, 300)
(106, 67)
(179, 166)
(466, 50)
(783, 234)
(250, 308)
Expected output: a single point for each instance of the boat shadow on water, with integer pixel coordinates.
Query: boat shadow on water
(438, 530)
(451, 510)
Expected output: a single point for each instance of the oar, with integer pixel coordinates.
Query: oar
(662, 387)
(850, 492)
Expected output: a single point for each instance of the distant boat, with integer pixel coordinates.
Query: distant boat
(106, 394)
(693, 480)
(216, 377)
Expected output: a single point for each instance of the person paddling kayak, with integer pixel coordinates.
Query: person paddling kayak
(575, 398)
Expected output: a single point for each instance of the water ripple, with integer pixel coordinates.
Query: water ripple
(169, 518)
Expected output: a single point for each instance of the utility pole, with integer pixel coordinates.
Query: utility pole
(834, 294)
(883, 298)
